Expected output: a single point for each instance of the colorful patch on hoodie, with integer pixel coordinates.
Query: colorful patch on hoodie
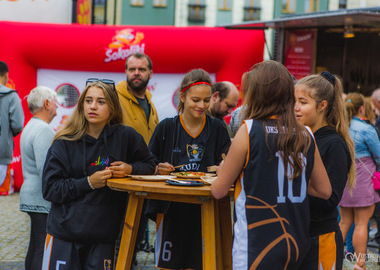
(101, 162)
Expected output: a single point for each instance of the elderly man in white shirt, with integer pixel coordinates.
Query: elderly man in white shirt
(36, 138)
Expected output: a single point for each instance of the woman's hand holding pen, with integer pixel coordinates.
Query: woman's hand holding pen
(164, 168)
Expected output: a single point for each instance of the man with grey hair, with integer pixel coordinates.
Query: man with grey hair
(36, 138)
(224, 98)
(11, 123)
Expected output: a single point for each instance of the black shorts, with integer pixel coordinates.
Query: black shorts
(179, 237)
(326, 252)
(64, 255)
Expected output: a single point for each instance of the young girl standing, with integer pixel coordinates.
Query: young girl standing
(85, 216)
(320, 106)
(277, 164)
(195, 141)
(357, 205)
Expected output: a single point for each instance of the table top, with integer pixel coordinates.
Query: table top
(128, 184)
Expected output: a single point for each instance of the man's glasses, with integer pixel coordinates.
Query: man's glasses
(106, 81)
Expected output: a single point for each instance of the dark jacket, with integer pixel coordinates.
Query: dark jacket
(78, 213)
(337, 160)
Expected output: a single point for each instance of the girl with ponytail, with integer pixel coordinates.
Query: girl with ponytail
(320, 106)
(358, 206)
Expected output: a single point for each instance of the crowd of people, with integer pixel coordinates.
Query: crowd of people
(300, 155)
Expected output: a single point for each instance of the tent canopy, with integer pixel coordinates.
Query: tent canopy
(365, 18)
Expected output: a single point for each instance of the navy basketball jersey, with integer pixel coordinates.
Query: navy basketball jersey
(271, 229)
(190, 150)
(179, 236)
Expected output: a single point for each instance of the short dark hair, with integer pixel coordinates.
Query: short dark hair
(222, 88)
(3, 68)
(139, 55)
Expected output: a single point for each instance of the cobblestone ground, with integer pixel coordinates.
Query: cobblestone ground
(14, 239)
(14, 233)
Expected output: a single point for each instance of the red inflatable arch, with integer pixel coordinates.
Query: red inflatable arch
(28, 47)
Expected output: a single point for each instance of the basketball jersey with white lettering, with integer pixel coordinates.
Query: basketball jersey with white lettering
(271, 229)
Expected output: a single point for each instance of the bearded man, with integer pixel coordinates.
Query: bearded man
(136, 102)
(139, 113)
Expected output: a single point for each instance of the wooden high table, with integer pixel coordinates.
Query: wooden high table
(216, 219)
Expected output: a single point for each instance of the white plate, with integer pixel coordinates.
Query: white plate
(179, 175)
(155, 178)
(208, 179)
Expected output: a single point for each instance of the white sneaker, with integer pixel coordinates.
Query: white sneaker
(372, 233)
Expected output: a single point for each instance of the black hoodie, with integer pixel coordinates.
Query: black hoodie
(337, 160)
(78, 213)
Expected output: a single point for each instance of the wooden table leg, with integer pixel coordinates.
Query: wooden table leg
(130, 229)
(208, 234)
(224, 208)
(218, 237)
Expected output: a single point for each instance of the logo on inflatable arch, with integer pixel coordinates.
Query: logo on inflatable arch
(10, 84)
(124, 43)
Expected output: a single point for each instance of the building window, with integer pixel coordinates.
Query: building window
(137, 2)
(160, 3)
(342, 4)
(224, 4)
(252, 10)
(197, 11)
(311, 5)
(288, 6)
(99, 11)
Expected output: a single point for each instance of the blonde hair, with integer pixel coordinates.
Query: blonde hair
(77, 124)
(369, 113)
(269, 91)
(353, 103)
(335, 115)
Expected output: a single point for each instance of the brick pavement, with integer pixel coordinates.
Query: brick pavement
(14, 239)
(14, 233)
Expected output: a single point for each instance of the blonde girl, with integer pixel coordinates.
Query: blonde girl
(84, 221)
(319, 105)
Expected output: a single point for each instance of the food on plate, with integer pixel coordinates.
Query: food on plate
(190, 174)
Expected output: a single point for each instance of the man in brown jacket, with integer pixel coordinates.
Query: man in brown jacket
(138, 112)
(136, 102)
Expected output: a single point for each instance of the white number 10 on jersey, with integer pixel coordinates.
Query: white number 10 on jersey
(281, 179)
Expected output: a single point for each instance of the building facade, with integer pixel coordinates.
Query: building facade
(167, 12)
